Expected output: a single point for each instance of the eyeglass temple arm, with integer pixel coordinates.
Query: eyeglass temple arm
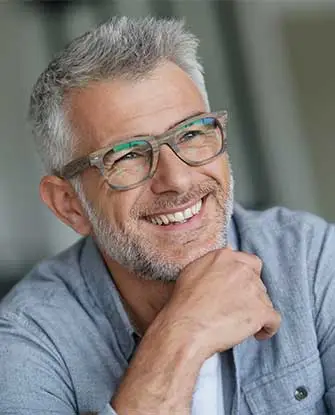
(223, 118)
(75, 167)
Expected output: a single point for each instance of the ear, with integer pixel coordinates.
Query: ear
(62, 200)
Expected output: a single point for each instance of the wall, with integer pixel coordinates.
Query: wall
(271, 63)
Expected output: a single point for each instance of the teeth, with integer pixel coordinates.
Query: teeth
(188, 213)
(170, 216)
(164, 219)
(179, 217)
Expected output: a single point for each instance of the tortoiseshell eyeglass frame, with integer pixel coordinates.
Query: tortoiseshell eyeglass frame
(96, 158)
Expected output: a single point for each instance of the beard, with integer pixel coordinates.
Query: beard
(142, 256)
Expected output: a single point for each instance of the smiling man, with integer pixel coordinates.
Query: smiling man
(156, 128)
(175, 301)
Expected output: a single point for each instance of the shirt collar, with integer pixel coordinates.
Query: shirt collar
(232, 234)
(105, 295)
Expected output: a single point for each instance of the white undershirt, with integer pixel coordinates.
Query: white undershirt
(208, 391)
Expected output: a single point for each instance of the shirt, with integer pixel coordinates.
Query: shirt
(65, 339)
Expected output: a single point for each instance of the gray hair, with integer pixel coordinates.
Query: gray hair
(120, 48)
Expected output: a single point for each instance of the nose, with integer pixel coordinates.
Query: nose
(172, 174)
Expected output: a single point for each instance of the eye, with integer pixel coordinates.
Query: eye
(190, 135)
(129, 156)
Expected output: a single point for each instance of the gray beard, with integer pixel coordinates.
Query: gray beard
(140, 257)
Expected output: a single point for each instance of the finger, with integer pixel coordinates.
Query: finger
(262, 286)
(252, 261)
(262, 335)
(267, 301)
(269, 329)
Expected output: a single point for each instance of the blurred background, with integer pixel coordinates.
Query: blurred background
(271, 63)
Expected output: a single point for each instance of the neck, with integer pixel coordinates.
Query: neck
(142, 299)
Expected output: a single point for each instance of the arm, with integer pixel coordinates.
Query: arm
(35, 381)
(218, 301)
(194, 324)
(161, 377)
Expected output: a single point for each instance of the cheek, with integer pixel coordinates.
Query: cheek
(120, 207)
(219, 170)
(110, 204)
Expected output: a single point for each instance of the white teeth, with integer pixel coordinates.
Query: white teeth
(170, 216)
(188, 213)
(181, 216)
(164, 219)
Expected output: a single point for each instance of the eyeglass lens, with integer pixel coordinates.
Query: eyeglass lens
(130, 163)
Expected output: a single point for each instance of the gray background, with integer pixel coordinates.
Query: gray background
(271, 63)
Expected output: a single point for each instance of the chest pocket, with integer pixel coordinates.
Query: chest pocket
(297, 389)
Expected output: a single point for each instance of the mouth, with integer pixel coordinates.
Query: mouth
(176, 218)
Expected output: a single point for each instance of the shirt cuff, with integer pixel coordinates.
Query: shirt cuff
(108, 410)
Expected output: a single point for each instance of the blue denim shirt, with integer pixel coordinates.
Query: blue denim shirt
(65, 339)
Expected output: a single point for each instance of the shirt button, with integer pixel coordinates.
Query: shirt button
(300, 393)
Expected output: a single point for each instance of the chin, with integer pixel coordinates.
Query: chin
(186, 254)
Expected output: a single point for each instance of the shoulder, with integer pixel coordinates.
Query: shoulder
(50, 283)
(291, 243)
(276, 219)
(281, 228)
(53, 332)
(38, 325)
(51, 308)
(298, 254)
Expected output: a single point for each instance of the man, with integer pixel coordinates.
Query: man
(173, 302)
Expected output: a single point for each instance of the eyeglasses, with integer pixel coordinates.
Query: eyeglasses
(127, 164)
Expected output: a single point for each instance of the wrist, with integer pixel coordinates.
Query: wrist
(162, 374)
(183, 332)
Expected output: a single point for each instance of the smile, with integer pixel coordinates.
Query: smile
(176, 217)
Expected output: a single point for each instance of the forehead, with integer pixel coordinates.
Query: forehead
(107, 111)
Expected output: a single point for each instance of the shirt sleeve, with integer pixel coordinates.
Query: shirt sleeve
(324, 296)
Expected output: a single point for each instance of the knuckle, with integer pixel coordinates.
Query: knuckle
(248, 272)
(274, 316)
(243, 267)
(251, 261)
(256, 261)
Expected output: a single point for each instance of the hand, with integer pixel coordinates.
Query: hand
(221, 300)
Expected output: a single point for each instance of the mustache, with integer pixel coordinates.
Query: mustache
(170, 201)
